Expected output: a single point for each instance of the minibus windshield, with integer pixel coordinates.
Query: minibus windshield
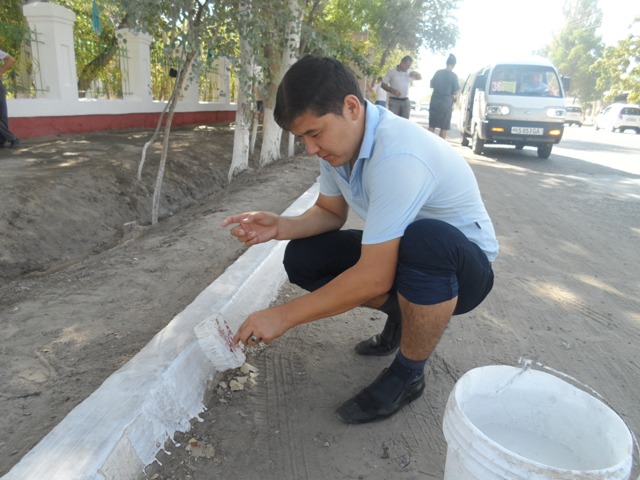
(527, 80)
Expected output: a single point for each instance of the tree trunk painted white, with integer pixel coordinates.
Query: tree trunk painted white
(240, 157)
(272, 133)
(241, 136)
(254, 132)
(271, 137)
(292, 33)
(244, 110)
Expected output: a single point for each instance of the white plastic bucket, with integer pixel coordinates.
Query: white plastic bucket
(505, 422)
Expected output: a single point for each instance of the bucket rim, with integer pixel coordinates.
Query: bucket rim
(454, 405)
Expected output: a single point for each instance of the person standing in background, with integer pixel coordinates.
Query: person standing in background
(380, 94)
(396, 82)
(5, 134)
(445, 90)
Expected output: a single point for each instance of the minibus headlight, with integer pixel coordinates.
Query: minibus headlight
(556, 112)
(498, 110)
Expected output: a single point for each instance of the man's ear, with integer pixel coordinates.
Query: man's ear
(352, 107)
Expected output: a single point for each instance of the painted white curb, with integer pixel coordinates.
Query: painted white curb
(120, 428)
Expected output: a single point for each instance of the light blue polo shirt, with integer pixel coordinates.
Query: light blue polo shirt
(405, 173)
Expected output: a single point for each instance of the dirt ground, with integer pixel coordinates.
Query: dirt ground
(80, 295)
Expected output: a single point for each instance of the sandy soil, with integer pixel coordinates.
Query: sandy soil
(79, 293)
(566, 295)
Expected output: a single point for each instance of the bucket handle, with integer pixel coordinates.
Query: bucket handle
(526, 364)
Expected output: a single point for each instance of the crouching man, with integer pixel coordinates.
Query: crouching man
(423, 255)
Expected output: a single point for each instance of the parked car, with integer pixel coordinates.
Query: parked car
(424, 107)
(574, 116)
(619, 117)
(413, 104)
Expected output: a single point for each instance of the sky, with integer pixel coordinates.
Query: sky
(513, 28)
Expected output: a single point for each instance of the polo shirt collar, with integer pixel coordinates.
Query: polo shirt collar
(372, 118)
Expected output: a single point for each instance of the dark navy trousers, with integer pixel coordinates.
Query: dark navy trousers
(436, 263)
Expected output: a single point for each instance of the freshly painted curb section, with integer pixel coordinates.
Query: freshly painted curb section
(120, 428)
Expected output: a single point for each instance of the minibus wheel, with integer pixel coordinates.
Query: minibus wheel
(544, 151)
(477, 144)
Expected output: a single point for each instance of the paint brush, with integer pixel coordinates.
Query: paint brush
(214, 337)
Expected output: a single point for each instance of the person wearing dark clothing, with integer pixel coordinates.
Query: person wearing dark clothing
(5, 134)
(445, 89)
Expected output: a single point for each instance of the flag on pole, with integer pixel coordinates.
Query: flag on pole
(96, 19)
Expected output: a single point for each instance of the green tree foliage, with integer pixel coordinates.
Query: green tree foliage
(576, 47)
(11, 11)
(406, 25)
(13, 38)
(374, 34)
(619, 69)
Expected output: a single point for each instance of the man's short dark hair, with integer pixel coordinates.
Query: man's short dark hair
(406, 59)
(315, 84)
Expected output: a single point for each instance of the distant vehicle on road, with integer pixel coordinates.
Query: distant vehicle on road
(424, 107)
(574, 116)
(619, 117)
(517, 102)
(413, 104)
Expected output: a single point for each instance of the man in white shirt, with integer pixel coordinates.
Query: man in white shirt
(396, 82)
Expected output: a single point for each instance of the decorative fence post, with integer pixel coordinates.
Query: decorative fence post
(191, 89)
(56, 55)
(136, 65)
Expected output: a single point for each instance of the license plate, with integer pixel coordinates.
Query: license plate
(527, 131)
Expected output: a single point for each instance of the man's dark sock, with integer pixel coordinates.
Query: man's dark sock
(392, 308)
(411, 371)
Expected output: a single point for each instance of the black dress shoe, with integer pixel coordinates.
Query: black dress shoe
(384, 397)
(14, 143)
(383, 343)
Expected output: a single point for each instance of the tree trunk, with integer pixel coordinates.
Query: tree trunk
(272, 133)
(271, 137)
(91, 70)
(289, 54)
(241, 136)
(150, 142)
(240, 157)
(310, 21)
(182, 74)
(170, 108)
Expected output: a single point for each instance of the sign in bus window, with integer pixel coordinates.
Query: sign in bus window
(503, 86)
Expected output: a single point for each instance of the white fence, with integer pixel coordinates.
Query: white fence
(58, 109)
